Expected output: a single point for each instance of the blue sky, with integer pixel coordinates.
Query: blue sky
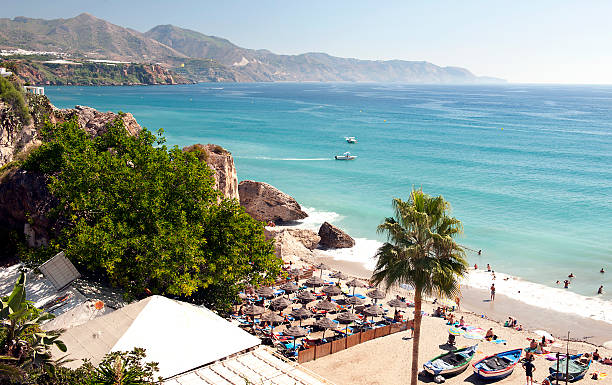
(543, 41)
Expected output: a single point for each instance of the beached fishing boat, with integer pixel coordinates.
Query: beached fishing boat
(577, 369)
(350, 139)
(451, 363)
(345, 156)
(497, 366)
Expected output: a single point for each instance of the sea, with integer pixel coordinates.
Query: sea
(526, 168)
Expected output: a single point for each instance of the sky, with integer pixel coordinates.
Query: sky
(523, 41)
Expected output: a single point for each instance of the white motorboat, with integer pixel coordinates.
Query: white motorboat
(345, 156)
(350, 139)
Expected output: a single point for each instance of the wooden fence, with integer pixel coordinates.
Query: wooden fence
(335, 346)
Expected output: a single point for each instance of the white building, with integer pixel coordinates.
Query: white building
(34, 90)
(4, 73)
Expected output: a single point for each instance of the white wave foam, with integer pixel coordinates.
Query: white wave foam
(558, 299)
(314, 220)
(363, 252)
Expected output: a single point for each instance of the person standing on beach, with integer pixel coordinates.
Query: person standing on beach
(488, 267)
(529, 369)
(493, 292)
(566, 284)
(600, 290)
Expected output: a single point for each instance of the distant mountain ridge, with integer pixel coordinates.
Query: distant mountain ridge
(210, 58)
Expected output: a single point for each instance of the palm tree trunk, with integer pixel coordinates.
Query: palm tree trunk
(415, 340)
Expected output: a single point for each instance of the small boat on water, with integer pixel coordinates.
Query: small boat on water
(350, 139)
(497, 366)
(346, 156)
(451, 363)
(578, 367)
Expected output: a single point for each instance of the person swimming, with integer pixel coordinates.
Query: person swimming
(602, 270)
(600, 290)
(566, 284)
(571, 275)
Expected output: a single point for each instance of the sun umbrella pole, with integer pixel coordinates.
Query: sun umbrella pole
(558, 358)
(567, 360)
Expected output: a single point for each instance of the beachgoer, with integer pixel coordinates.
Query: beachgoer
(600, 290)
(566, 284)
(543, 341)
(489, 334)
(488, 267)
(451, 319)
(602, 270)
(461, 321)
(546, 381)
(479, 252)
(519, 328)
(529, 369)
(492, 292)
(475, 267)
(596, 355)
(533, 344)
(571, 275)
(557, 282)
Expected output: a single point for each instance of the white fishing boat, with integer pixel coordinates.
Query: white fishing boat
(346, 156)
(350, 139)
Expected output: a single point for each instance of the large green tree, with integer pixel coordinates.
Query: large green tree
(421, 251)
(147, 217)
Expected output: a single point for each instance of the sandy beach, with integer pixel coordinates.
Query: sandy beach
(386, 360)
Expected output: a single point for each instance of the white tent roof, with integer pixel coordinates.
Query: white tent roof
(177, 335)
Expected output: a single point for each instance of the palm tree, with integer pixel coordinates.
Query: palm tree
(420, 251)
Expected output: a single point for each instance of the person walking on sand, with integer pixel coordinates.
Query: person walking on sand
(493, 292)
(529, 369)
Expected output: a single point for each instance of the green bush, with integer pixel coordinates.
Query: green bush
(15, 99)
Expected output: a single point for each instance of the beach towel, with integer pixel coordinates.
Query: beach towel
(500, 341)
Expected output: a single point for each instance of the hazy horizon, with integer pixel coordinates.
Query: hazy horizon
(552, 42)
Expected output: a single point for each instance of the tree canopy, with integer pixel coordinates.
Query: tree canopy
(147, 217)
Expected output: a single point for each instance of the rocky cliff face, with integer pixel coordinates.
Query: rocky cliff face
(267, 203)
(222, 163)
(308, 238)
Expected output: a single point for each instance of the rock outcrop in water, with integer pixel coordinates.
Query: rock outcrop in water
(267, 203)
(334, 238)
(222, 163)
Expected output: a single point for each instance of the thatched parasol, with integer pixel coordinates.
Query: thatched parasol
(326, 305)
(272, 317)
(265, 291)
(289, 287)
(346, 318)
(322, 266)
(339, 275)
(373, 311)
(355, 301)
(253, 310)
(295, 332)
(301, 313)
(355, 283)
(376, 294)
(325, 323)
(332, 290)
(397, 303)
(280, 303)
(315, 281)
(306, 296)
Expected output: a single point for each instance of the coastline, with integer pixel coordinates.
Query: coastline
(476, 301)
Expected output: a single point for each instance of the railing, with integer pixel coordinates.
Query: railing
(335, 346)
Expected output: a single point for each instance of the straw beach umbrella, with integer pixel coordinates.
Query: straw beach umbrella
(280, 303)
(355, 283)
(332, 290)
(376, 294)
(346, 318)
(354, 301)
(325, 323)
(265, 291)
(397, 303)
(295, 332)
(373, 311)
(253, 310)
(338, 275)
(289, 287)
(306, 296)
(272, 317)
(315, 282)
(322, 266)
(301, 313)
(326, 305)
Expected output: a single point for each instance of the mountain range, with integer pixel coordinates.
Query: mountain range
(202, 57)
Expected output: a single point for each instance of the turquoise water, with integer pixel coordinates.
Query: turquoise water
(528, 169)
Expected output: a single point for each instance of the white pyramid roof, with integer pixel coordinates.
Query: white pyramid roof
(177, 335)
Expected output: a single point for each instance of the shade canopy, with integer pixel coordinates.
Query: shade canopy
(373, 310)
(346, 317)
(322, 266)
(289, 287)
(315, 281)
(253, 310)
(265, 291)
(376, 294)
(301, 313)
(306, 296)
(325, 323)
(355, 301)
(355, 283)
(326, 305)
(397, 303)
(272, 317)
(280, 303)
(545, 334)
(295, 331)
(332, 290)
(339, 275)
(295, 271)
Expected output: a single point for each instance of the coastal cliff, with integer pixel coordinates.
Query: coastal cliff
(222, 163)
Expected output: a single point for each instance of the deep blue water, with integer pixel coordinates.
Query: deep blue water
(528, 169)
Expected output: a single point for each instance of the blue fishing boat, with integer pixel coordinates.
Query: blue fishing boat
(451, 363)
(574, 370)
(497, 366)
